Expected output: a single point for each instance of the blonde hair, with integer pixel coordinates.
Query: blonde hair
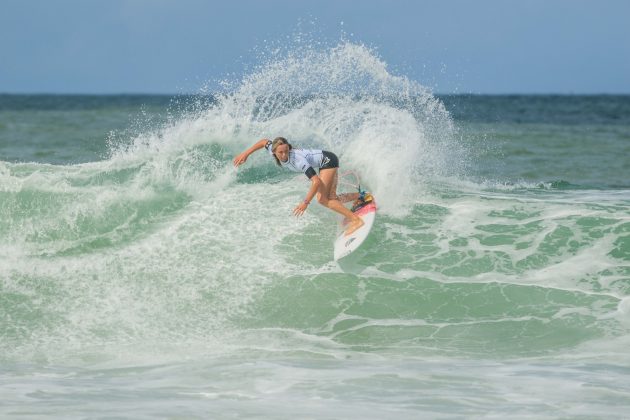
(274, 145)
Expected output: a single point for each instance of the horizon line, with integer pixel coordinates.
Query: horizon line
(172, 94)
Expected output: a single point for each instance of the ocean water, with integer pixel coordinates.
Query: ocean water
(142, 276)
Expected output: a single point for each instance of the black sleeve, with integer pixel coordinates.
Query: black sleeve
(310, 172)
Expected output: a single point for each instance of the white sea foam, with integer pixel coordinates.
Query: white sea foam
(165, 241)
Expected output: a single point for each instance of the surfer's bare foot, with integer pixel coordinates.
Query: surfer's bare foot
(354, 225)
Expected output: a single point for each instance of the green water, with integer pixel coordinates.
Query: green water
(141, 276)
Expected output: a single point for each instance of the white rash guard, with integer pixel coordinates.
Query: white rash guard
(304, 160)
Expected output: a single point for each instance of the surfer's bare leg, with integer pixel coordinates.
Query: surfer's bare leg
(344, 198)
(348, 197)
(329, 178)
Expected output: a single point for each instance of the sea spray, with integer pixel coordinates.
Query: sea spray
(388, 128)
(151, 242)
(161, 281)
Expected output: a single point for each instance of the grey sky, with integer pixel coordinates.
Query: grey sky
(170, 46)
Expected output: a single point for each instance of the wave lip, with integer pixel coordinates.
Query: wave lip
(164, 242)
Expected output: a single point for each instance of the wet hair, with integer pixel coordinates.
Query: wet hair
(274, 145)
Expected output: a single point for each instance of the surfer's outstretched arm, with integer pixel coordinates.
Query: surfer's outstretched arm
(242, 157)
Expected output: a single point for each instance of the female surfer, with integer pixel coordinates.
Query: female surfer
(305, 160)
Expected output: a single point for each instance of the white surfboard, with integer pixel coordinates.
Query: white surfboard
(345, 245)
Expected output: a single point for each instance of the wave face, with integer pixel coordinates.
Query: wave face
(163, 252)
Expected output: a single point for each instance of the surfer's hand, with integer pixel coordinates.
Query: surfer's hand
(240, 159)
(300, 209)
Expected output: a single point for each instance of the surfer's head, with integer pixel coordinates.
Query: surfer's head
(280, 148)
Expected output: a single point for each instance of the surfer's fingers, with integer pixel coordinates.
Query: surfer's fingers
(239, 160)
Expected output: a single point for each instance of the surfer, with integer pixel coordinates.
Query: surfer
(305, 160)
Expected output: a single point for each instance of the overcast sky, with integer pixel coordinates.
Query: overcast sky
(175, 46)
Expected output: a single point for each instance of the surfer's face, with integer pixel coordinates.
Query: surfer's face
(282, 152)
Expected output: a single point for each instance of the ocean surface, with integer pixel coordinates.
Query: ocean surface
(142, 276)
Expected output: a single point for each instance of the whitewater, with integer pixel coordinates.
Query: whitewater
(159, 281)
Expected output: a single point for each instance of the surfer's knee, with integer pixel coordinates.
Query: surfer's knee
(322, 199)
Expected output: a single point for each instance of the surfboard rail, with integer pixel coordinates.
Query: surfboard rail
(346, 244)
